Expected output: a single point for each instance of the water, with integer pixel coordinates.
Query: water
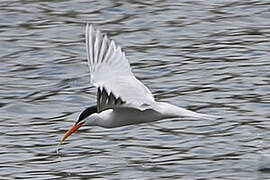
(211, 57)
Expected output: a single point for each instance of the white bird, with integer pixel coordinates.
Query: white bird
(121, 98)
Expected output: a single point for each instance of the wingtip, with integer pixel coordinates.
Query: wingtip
(211, 117)
(103, 54)
(89, 27)
(88, 24)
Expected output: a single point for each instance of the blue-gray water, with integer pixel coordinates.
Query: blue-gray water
(211, 57)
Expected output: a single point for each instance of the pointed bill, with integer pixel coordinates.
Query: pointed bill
(73, 129)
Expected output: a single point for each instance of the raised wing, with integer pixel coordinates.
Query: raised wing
(110, 72)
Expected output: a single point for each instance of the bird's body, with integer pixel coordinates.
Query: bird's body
(122, 116)
(121, 98)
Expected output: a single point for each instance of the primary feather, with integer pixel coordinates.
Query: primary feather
(121, 98)
(119, 90)
(110, 72)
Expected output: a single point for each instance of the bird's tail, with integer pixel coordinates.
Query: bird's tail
(169, 110)
(200, 115)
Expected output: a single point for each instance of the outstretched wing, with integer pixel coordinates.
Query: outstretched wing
(110, 72)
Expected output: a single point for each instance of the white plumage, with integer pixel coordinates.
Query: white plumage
(110, 72)
(121, 98)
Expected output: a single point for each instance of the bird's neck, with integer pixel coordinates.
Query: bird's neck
(93, 120)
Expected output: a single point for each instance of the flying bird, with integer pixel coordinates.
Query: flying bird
(121, 98)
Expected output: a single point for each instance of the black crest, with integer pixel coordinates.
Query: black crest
(87, 112)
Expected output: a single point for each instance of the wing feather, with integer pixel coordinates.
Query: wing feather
(110, 72)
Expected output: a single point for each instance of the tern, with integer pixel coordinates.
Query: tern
(121, 98)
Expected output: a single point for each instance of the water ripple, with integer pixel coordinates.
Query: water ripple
(208, 56)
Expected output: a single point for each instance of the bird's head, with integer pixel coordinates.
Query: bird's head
(82, 120)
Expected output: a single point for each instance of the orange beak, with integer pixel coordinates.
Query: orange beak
(74, 128)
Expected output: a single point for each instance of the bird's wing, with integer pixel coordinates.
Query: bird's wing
(110, 72)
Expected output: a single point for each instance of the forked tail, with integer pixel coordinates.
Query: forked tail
(171, 111)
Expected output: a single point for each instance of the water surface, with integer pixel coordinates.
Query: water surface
(211, 57)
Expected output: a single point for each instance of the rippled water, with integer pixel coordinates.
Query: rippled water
(210, 57)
